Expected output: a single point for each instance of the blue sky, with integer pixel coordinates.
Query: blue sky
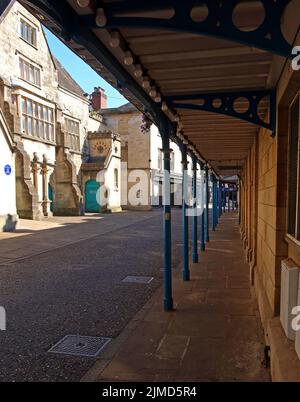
(86, 77)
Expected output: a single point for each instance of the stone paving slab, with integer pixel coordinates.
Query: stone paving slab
(213, 334)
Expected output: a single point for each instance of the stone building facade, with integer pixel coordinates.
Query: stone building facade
(8, 211)
(269, 191)
(141, 151)
(48, 116)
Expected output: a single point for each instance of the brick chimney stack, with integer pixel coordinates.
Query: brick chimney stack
(98, 99)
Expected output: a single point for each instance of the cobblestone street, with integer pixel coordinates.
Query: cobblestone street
(76, 288)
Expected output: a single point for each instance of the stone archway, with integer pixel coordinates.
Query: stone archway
(26, 195)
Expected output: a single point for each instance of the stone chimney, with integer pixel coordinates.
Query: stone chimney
(98, 99)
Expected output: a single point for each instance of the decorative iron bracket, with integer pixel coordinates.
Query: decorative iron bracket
(218, 21)
(224, 103)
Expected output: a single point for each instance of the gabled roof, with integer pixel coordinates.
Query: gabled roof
(127, 108)
(66, 81)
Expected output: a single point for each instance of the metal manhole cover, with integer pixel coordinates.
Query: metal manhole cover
(138, 279)
(88, 346)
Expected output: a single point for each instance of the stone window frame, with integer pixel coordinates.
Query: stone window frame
(293, 191)
(72, 129)
(37, 119)
(28, 32)
(30, 72)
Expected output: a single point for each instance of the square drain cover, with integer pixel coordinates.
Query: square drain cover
(138, 279)
(88, 346)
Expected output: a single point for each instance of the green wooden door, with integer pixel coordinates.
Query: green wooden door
(91, 189)
(50, 196)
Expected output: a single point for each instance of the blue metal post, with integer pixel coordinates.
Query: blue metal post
(185, 221)
(224, 198)
(207, 204)
(220, 198)
(213, 209)
(216, 203)
(228, 206)
(195, 212)
(168, 300)
(202, 209)
(234, 198)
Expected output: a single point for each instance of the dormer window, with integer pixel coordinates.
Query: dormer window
(28, 32)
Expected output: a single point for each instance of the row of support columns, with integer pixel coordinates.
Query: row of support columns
(202, 198)
(216, 195)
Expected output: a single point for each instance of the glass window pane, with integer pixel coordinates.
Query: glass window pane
(31, 78)
(41, 129)
(23, 105)
(29, 126)
(23, 124)
(34, 37)
(29, 109)
(38, 77)
(35, 109)
(22, 28)
(26, 71)
(51, 133)
(35, 127)
(26, 36)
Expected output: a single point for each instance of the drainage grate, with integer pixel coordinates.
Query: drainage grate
(138, 279)
(88, 346)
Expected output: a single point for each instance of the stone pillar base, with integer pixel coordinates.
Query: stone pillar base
(46, 208)
(67, 212)
(113, 210)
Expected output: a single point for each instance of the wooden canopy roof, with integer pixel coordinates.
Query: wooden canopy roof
(180, 63)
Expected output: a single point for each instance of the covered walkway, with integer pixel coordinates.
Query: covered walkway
(221, 79)
(213, 334)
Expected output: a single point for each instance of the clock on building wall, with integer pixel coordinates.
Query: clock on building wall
(100, 147)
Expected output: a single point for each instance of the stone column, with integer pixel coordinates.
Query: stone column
(35, 171)
(46, 201)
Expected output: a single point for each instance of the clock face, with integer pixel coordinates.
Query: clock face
(100, 147)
